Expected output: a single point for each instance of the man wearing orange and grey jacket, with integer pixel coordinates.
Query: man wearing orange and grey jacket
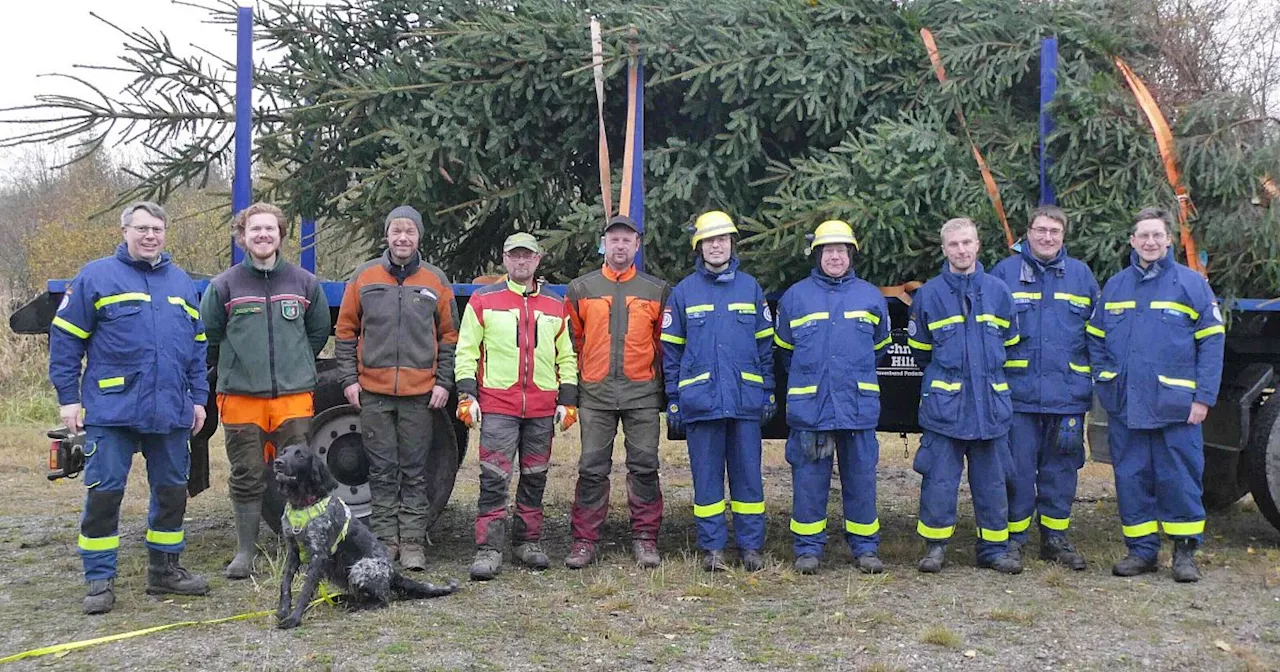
(396, 334)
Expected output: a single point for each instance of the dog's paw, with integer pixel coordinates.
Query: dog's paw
(289, 622)
(282, 613)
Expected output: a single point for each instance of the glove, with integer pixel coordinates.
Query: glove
(675, 421)
(566, 416)
(817, 445)
(769, 409)
(469, 410)
(826, 445)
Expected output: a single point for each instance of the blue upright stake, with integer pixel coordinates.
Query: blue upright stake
(637, 159)
(309, 244)
(1048, 87)
(241, 186)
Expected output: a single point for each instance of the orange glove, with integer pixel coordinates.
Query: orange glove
(469, 411)
(566, 416)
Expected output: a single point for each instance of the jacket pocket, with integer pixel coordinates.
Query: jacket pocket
(1001, 403)
(868, 400)
(697, 394)
(1174, 397)
(111, 398)
(752, 392)
(802, 400)
(948, 350)
(1106, 384)
(940, 401)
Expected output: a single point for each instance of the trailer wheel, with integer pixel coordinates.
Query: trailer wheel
(1262, 460)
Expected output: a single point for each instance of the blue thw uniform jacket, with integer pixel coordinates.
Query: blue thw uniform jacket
(145, 344)
(831, 334)
(959, 329)
(717, 345)
(1048, 370)
(1156, 341)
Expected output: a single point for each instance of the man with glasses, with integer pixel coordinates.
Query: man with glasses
(1156, 341)
(528, 382)
(1048, 372)
(131, 319)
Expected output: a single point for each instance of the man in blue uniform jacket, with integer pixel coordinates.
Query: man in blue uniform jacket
(132, 319)
(961, 323)
(1048, 373)
(1156, 340)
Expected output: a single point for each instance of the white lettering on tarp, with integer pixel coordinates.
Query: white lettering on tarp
(900, 363)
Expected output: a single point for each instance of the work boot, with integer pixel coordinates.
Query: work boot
(101, 597)
(247, 516)
(413, 557)
(532, 555)
(1184, 561)
(807, 564)
(166, 576)
(752, 560)
(393, 548)
(488, 564)
(1015, 550)
(1058, 549)
(1133, 565)
(646, 552)
(1003, 563)
(713, 561)
(869, 563)
(935, 556)
(581, 554)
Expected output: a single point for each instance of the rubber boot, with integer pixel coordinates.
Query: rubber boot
(807, 564)
(869, 563)
(166, 576)
(487, 565)
(1133, 565)
(532, 555)
(247, 515)
(101, 597)
(935, 557)
(1058, 549)
(1015, 551)
(1184, 561)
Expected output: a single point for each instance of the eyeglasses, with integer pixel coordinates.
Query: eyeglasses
(1046, 232)
(144, 230)
(1157, 236)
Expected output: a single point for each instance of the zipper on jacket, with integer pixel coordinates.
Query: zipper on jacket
(395, 385)
(615, 372)
(271, 339)
(525, 358)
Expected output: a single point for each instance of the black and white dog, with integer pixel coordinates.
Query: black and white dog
(321, 533)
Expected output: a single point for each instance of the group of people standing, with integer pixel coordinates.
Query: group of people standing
(1011, 360)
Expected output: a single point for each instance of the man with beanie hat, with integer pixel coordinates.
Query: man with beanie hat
(396, 335)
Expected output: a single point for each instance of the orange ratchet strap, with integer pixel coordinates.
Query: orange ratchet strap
(597, 61)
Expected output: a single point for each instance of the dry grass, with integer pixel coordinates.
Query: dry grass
(940, 635)
(25, 394)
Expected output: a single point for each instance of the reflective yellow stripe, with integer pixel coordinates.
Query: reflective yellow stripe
(1140, 530)
(1089, 328)
(1059, 524)
(70, 328)
(1016, 363)
(1027, 295)
(873, 387)
(862, 315)
(179, 301)
(993, 319)
(887, 340)
(201, 337)
(1106, 375)
(807, 528)
(809, 318)
(1013, 341)
(700, 308)
(797, 391)
(671, 338)
(1209, 331)
(940, 533)
(117, 298)
(99, 543)
(1183, 529)
(862, 529)
(110, 382)
(752, 377)
(764, 333)
(993, 535)
(1178, 382)
(743, 308)
(1078, 368)
(696, 379)
(1020, 525)
(164, 538)
(781, 343)
(954, 319)
(941, 385)
(1119, 305)
(746, 507)
(1073, 298)
(709, 510)
(1000, 387)
(1174, 305)
(918, 345)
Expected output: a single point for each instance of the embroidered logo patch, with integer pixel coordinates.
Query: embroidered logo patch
(1217, 313)
(666, 318)
(768, 315)
(911, 328)
(290, 309)
(66, 301)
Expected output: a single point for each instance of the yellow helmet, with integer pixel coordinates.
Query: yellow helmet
(832, 231)
(711, 224)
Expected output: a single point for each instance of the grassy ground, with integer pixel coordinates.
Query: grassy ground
(615, 615)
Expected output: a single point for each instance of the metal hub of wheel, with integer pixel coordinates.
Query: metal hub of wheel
(336, 438)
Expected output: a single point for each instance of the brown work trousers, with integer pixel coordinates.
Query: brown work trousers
(641, 433)
(397, 439)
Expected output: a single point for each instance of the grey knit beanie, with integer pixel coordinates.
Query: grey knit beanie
(405, 212)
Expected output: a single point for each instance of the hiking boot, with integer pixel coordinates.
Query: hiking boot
(1003, 563)
(393, 548)
(646, 552)
(488, 564)
(1133, 565)
(1058, 549)
(1184, 561)
(166, 576)
(713, 561)
(752, 560)
(413, 557)
(869, 563)
(581, 554)
(247, 515)
(935, 557)
(532, 555)
(807, 564)
(101, 597)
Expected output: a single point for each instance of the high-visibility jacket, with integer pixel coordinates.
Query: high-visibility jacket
(717, 345)
(1048, 370)
(960, 326)
(614, 319)
(1156, 340)
(514, 352)
(137, 328)
(831, 333)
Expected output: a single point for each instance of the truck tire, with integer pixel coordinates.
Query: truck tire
(1262, 460)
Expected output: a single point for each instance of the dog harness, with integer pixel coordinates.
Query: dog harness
(300, 518)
